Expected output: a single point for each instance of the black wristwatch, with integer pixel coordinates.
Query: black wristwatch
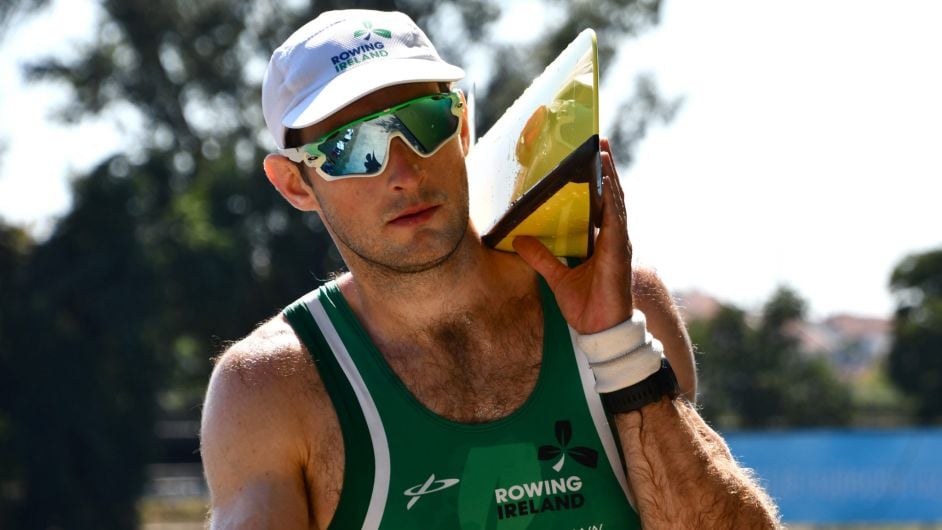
(657, 385)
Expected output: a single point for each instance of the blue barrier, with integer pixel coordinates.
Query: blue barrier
(848, 476)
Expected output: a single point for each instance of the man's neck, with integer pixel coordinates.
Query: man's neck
(471, 325)
(473, 278)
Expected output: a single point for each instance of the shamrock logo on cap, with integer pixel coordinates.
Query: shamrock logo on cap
(371, 31)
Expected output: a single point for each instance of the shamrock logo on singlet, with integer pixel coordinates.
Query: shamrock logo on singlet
(584, 455)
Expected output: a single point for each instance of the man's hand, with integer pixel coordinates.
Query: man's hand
(679, 469)
(595, 295)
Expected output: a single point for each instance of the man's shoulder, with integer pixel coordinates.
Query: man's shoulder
(265, 365)
(264, 384)
(272, 346)
(259, 417)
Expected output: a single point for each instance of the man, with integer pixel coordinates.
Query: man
(440, 383)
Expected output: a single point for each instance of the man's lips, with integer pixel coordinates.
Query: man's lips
(414, 215)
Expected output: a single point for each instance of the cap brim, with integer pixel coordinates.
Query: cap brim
(362, 80)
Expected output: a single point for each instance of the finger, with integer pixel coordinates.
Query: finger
(605, 149)
(609, 170)
(609, 167)
(613, 244)
(614, 217)
(541, 259)
(605, 144)
(613, 200)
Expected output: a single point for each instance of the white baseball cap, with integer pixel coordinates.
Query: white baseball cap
(341, 56)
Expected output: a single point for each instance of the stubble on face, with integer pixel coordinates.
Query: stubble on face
(356, 214)
(363, 239)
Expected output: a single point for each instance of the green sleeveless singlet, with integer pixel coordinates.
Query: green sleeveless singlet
(552, 464)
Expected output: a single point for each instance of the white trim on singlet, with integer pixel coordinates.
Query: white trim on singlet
(599, 417)
(381, 475)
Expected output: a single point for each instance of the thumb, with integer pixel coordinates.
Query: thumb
(540, 258)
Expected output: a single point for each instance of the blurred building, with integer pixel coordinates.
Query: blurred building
(851, 343)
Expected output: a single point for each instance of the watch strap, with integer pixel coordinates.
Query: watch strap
(659, 384)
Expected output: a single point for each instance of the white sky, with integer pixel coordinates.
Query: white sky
(37, 153)
(807, 150)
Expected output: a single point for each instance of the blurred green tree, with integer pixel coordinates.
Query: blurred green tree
(180, 245)
(85, 373)
(757, 377)
(15, 245)
(915, 360)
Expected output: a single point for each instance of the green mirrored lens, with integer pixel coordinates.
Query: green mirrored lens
(361, 149)
(358, 150)
(430, 122)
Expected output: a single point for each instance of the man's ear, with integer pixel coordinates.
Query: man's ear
(465, 126)
(286, 177)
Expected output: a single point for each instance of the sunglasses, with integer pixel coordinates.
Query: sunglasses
(361, 147)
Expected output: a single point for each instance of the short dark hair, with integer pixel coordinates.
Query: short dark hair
(293, 139)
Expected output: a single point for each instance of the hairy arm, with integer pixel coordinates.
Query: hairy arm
(666, 324)
(682, 473)
(250, 439)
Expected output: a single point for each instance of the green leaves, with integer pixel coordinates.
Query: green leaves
(755, 376)
(915, 363)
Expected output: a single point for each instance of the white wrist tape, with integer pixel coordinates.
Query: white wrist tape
(629, 369)
(622, 355)
(615, 341)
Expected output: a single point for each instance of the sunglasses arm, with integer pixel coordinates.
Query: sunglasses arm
(298, 155)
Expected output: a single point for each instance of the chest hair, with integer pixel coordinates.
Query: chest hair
(476, 366)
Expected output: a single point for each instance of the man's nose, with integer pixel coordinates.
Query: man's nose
(405, 169)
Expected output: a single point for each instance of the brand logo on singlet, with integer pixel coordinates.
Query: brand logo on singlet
(549, 495)
(532, 498)
(429, 486)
